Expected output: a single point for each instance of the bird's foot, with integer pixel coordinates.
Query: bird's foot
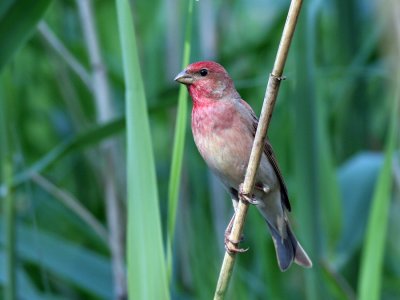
(231, 246)
(246, 197)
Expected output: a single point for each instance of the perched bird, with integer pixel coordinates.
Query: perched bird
(224, 127)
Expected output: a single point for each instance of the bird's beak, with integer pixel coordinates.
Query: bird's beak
(184, 78)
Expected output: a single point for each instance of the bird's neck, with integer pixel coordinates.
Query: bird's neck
(200, 96)
(212, 116)
(205, 91)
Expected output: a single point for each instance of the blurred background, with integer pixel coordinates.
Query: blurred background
(335, 131)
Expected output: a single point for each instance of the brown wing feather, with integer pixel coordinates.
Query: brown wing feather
(269, 152)
(272, 159)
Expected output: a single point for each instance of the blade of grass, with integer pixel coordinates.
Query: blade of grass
(338, 286)
(57, 45)
(74, 143)
(357, 178)
(64, 259)
(73, 204)
(8, 203)
(9, 212)
(305, 152)
(77, 142)
(370, 279)
(27, 289)
(331, 210)
(109, 150)
(179, 142)
(147, 277)
(17, 24)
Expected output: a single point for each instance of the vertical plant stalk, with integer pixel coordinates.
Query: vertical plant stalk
(8, 205)
(371, 269)
(271, 94)
(147, 274)
(310, 170)
(372, 259)
(179, 143)
(73, 204)
(9, 211)
(108, 149)
(65, 54)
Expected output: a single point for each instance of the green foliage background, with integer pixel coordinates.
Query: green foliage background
(335, 131)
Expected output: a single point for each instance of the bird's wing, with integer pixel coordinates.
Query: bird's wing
(269, 152)
(272, 159)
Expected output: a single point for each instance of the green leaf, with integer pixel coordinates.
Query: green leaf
(370, 279)
(307, 153)
(6, 167)
(337, 285)
(147, 277)
(357, 178)
(74, 143)
(179, 143)
(82, 267)
(27, 289)
(17, 24)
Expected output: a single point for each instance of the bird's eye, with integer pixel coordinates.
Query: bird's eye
(203, 72)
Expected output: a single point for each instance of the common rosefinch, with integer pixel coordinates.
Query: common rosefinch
(224, 127)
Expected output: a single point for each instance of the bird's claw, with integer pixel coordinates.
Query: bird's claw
(246, 197)
(231, 246)
(229, 240)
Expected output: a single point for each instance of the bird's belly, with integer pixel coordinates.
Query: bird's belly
(225, 146)
(225, 155)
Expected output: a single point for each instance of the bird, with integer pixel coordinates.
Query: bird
(224, 127)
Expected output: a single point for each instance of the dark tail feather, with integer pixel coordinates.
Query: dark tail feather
(289, 249)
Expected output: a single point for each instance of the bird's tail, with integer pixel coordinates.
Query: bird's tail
(288, 249)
